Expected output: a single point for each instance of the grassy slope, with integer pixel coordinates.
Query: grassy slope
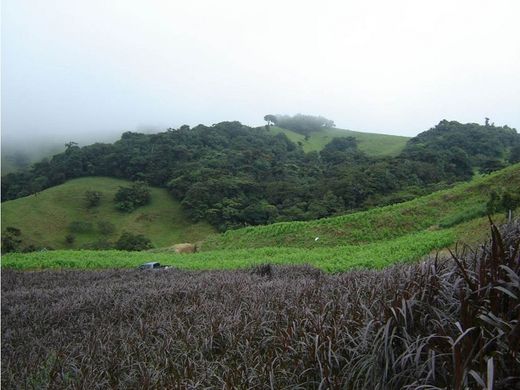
(370, 143)
(448, 207)
(331, 259)
(45, 217)
(374, 238)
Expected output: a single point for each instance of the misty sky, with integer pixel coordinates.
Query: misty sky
(92, 68)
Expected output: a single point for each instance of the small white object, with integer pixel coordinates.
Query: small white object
(316, 239)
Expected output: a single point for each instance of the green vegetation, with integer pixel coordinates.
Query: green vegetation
(300, 123)
(375, 145)
(234, 176)
(331, 259)
(127, 199)
(133, 242)
(448, 322)
(445, 208)
(47, 218)
(373, 239)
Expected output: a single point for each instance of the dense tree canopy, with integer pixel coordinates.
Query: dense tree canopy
(233, 175)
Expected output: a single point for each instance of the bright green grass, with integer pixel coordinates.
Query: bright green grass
(447, 207)
(44, 219)
(372, 144)
(331, 259)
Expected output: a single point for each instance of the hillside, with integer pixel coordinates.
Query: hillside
(234, 176)
(373, 239)
(443, 209)
(44, 218)
(375, 145)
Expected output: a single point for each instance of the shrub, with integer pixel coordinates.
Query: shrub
(11, 239)
(92, 198)
(70, 238)
(133, 242)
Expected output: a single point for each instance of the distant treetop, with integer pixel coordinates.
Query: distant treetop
(299, 123)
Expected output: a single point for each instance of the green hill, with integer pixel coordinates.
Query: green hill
(374, 239)
(443, 209)
(372, 144)
(44, 218)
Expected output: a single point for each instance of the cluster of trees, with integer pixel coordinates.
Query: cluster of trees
(299, 123)
(129, 198)
(472, 145)
(233, 176)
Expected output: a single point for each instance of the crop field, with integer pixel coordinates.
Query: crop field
(442, 209)
(371, 143)
(441, 323)
(44, 219)
(330, 259)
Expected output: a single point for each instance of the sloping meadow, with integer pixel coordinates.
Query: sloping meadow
(443, 323)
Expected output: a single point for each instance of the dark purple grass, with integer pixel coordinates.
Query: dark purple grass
(448, 323)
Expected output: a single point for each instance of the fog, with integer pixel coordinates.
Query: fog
(89, 70)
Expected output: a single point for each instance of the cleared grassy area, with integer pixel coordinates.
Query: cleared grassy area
(44, 218)
(451, 207)
(371, 143)
(330, 259)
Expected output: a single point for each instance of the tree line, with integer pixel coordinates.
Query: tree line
(232, 175)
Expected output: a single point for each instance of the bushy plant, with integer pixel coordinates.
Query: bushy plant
(11, 239)
(127, 199)
(133, 242)
(92, 198)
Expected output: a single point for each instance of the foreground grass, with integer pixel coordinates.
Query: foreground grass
(331, 259)
(440, 324)
(44, 219)
(376, 145)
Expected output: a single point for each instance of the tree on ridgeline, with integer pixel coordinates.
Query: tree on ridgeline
(270, 119)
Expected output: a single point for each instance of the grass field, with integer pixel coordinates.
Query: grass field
(370, 143)
(45, 218)
(330, 259)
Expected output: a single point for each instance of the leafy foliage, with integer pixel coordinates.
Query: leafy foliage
(92, 198)
(133, 242)
(11, 239)
(446, 208)
(442, 323)
(236, 176)
(129, 198)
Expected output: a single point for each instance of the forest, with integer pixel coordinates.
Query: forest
(233, 175)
